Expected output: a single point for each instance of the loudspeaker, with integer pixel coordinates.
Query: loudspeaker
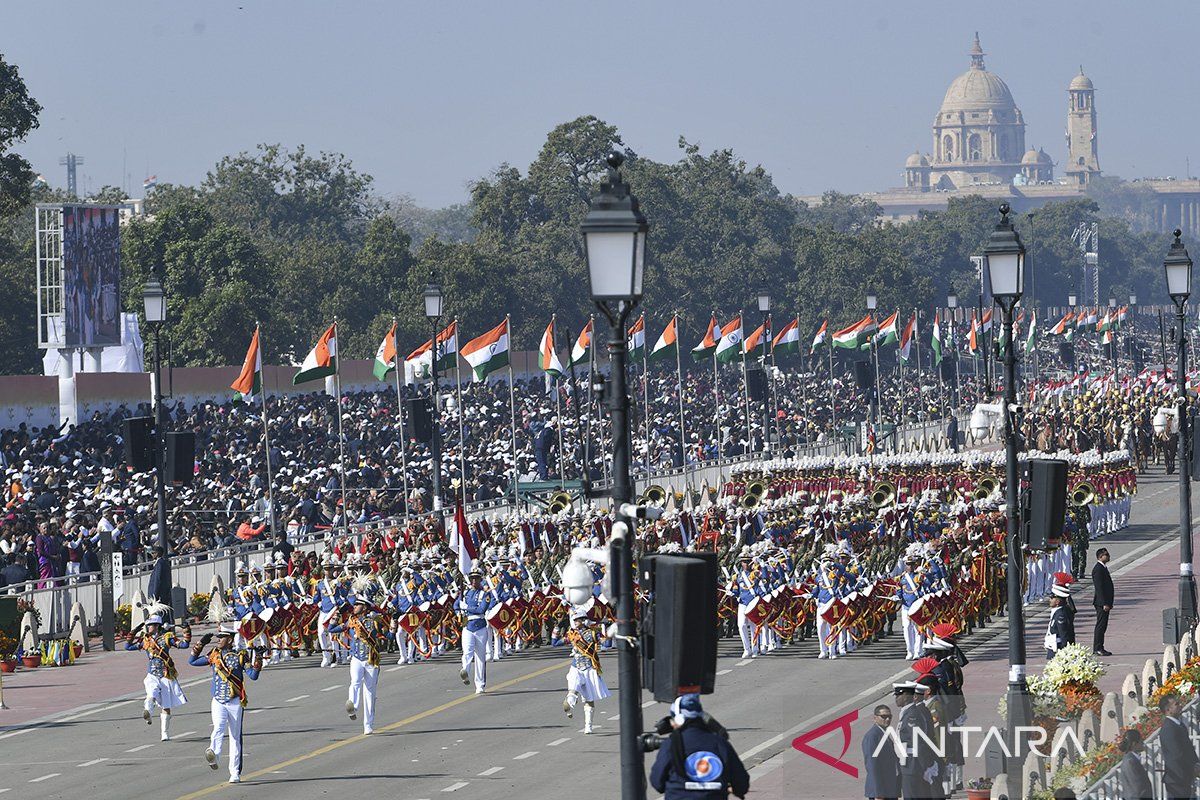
(864, 375)
(139, 443)
(1047, 502)
(949, 373)
(180, 458)
(679, 627)
(420, 418)
(1067, 353)
(756, 384)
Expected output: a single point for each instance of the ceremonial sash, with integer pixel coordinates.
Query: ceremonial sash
(360, 630)
(588, 646)
(156, 650)
(226, 674)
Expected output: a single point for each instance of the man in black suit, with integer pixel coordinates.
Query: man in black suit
(883, 768)
(1179, 754)
(919, 767)
(1103, 599)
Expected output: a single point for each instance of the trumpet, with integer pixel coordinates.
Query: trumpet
(1084, 495)
(560, 502)
(654, 495)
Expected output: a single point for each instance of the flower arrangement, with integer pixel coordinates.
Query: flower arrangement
(122, 617)
(1184, 682)
(979, 783)
(1073, 664)
(198, 604)
(8, 647)
(1100, 759)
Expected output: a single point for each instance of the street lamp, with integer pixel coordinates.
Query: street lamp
(952, 304)
(764, 308)
(1178, 268)
(1071, 300)
(154, 301)
(1005, 257)
(872, 301)
(1112, 334)
(614, 237)
(433, 312)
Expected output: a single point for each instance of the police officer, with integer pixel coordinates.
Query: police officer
(696, 762)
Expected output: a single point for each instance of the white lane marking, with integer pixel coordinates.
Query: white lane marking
(490, 771)
(744, 662)
(2, 791)
(15, 733)
(294, 699)
(647, 704)
(557, 742)
(524, 756)
(139, 748)
(398, 666)
(724, 671)
(614, 717)
(91, 763)
(46, 777)
(454, 787)
(255, 711)
(181, 735)
(331, 688)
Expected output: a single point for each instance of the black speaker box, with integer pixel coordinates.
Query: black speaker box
(864, 375)
(1047, 502)
(679, 628)
(1067, 353)
(949, 373)
(180, 457)
(138, 434)
(420, 419)
(756, 384)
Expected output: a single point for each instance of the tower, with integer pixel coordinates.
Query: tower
(1082, 162)
(70, 161)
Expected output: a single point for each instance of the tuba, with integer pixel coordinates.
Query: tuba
(654, 495)
(883, 496)
(756, 488)
(560, 502)
(984, 489)
(1084, 495)
(750, 500)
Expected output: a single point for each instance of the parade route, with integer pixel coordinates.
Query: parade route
(434, 737)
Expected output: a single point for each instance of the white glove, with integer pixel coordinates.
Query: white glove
(931, 773)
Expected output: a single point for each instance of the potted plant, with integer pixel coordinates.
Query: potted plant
(8, 652)
(31, 660)
(979, 789)
(76, 648)
(198, 606)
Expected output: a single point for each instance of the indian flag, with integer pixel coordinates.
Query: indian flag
(582, 350)
(936, 341)
(547, 356)
(667, 344)
(987, 322)
(416, 365)
(820, 338)
(385, 356)
(729, 345)
(906, 339)
(489, 352)
(1122, 313)
(755, 341)
(637, 339)
(888, 331)
(1031, 338)
(249, 380)
(1061, 327)
(788, 338)
(854, 336)
(1105, 323)
(321, 361)
(973, 338)
(708, 344)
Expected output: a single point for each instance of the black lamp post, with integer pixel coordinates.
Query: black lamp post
(1112, 334)
(433, 312)
(952, 304)
(614, 236)
(872, 305)
(1178, 266)
(154, 300)
(764, 308)
(1005, 257)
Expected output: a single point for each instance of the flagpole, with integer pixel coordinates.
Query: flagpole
(832, 393)
(745, 384)
(562, 467)
(400, 420)
(512, 411)
(337, 390)
(679, 378)
(462, 436)
(716, 386)
(266, 430)
(587, 444)
(646, 395)
(767, 404)
(916, 341)
(937, 364)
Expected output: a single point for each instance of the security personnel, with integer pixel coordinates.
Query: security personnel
(475, 603)
(230, 668)
(696, 762)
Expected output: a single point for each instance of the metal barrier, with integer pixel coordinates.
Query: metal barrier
(1109, 787)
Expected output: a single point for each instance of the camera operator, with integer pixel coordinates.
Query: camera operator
(697, 762)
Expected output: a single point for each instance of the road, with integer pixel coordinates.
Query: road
(435, 738)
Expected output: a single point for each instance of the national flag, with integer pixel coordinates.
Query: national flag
(820, 338)
(906, 339)
(1031, 338)
(1106, 322)
(1122, 313)
(489, 352)
(987, 322)
(667, 344)
(888, 332)
(729, 345)
(416, 364)
(1061, 328)
(385, 356)
(459, 535)
(973, 338)
(1108, 336)
(582, 350)
(936, 341)
(547, 355)
(788, 338)
(321, 361)
(708, 344)
(249, 380)
(150, 183)
(854, 336)
(755, 341)
(637, 339)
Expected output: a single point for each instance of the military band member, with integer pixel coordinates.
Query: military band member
(367, 634)
(475, 603)
(162, 678)
(583, 678)
(230, 669)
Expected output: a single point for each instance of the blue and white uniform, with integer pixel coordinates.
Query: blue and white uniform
(475, 604)
(230, 670)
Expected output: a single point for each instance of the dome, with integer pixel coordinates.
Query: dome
(1038, 156)
(917, 160)
(977, 89)
(1080, 82)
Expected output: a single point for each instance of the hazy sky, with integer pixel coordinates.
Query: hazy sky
(427, 97)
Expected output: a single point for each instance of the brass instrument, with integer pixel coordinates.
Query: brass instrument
(559, 502)
(1084, 495)
(883, 496)
(987, 485)
(756, 488)
(654, 495)
(750, 500)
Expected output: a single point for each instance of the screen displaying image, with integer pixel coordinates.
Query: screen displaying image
(92, 275)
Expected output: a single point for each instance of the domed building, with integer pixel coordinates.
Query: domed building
(1036, 167)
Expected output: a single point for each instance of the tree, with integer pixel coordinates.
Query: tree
(18, 116)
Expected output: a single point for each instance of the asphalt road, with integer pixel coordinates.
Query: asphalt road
(435, 738)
